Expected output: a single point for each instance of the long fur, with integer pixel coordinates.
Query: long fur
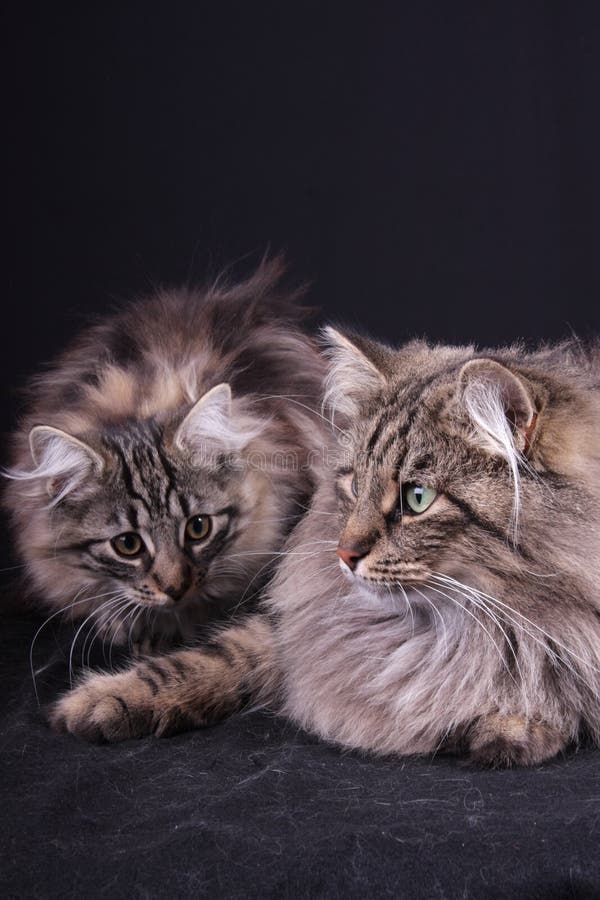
(181, 403)
(449, 632)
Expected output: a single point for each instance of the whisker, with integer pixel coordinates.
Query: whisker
(291, 399)
(480, 623)
(314, 512)
(132, 626)
(100, 629)
(120, 625)
(509, 613)
(250, 583)
(270, 561)
(276, 519)
(273, 553)
(61, 611)
(484, 607)
(437, 613)
(408, 603)
(107, 605)
(479, 602)
(108, 626)
(78, 632)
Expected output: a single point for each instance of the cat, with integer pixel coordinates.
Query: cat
(165, 456)
(442, 593)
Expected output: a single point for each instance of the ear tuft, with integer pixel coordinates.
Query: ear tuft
(60, 459)
(210, 416)
(357, 369)
(498, 399)
(209, 422)
(500, 405)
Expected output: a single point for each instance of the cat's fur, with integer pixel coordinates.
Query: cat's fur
(187, 402)
(472, 627)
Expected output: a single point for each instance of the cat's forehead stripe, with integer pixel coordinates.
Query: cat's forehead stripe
(402, 410)
(151, 481)
(144, 477)
(394, 430)
(394, 408)
(149, 478)
(128, 479)
(170, 486)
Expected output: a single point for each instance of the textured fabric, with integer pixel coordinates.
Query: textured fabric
(252, 808)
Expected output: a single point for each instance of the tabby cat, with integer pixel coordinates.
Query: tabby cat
(165, 456)
(443, 591)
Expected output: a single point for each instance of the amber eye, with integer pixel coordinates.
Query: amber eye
(354, 486)
(128, 544)
(198, 528)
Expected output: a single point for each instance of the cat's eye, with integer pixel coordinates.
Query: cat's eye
(198, 528)
(354, 486)
(417, 497)
(128, 544)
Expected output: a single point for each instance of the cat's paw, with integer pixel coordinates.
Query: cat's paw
(104, 708)
(160, 696)
(498, 741)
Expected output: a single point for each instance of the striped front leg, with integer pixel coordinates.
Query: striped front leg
(176, 692)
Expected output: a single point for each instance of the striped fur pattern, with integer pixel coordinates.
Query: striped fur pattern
(472, 626)
(189, 406)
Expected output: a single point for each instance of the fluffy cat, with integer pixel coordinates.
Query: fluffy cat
(165, 456)
(464, 614)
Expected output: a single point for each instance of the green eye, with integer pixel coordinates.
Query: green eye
(128, 544)
(198, 528)
(418, 498)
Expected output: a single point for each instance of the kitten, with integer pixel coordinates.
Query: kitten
(464, 614)
(164, 457)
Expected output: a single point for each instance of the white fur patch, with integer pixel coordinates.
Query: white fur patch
(484, 402)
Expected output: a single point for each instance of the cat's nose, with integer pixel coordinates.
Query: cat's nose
(175, 587)
(350, 556)
(178, 591)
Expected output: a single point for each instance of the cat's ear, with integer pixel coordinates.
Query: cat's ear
(500, 404)
(63, 460)
(210, 422)
(209, 418)
(358, 368)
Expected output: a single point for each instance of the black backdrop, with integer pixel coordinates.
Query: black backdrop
(433, 168)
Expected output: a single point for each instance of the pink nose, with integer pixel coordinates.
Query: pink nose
(349, 556)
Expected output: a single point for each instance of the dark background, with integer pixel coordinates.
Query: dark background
(433, 168)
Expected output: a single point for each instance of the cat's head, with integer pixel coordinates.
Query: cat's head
(458, 465)
(152, 515)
